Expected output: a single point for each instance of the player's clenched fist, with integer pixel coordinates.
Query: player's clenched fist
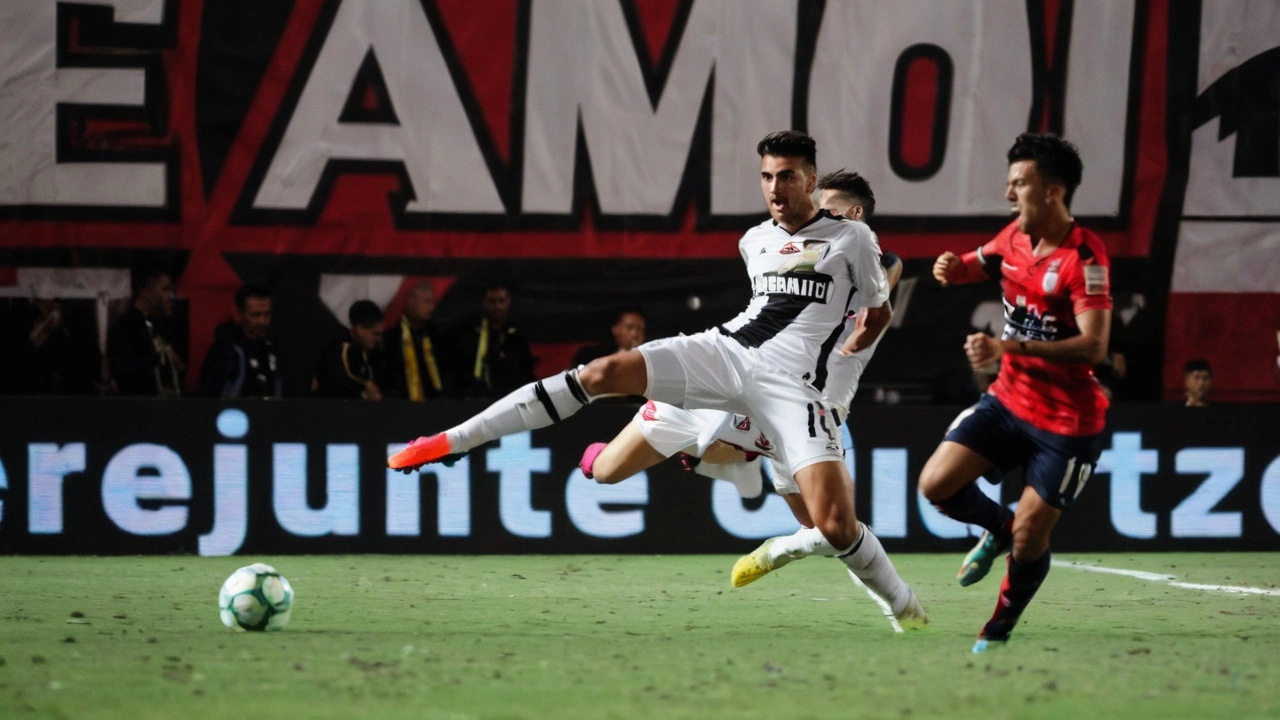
(981, 350)
(947, 268)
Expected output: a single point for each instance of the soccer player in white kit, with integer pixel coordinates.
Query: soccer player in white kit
(724, 445)
(807, 270)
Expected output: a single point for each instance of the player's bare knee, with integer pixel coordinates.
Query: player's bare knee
(840, 531)
(594, 376)
(620, 373)
(606, 473)
(1028, 546)
(933, 485)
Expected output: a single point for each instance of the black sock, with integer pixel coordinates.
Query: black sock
(971, 505)
(1020, 585)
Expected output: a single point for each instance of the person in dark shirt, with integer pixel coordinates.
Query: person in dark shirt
(628, 332)
(46, 350)
(350, 366)
(141, 361)
(242, 361)
(492, 357)
(413, 350)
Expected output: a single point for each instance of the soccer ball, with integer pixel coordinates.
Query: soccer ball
(256, 597)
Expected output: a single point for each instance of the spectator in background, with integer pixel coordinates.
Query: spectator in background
(140, 359)
(414, 370)
(1197, 382)
(351, 366)
(44, 351)
(628, 331)
(242, 361)
(492, 357)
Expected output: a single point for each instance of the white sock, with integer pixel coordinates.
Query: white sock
(802, 543)
(533, 406)
(745, 476)
(867, 559)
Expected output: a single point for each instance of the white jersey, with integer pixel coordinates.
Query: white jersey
(803, 287)
(844, 371)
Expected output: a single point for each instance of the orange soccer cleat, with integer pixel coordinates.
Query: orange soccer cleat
(420, 452)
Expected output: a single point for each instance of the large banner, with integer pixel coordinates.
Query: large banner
(601, 153)
(121, 476)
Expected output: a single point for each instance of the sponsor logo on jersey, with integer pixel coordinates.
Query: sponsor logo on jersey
(1095, 280)
(1050, 280)
(742, 422)
(1027, 323)
(650, 411)
(763, 443)
(814, 287)
(808, 258)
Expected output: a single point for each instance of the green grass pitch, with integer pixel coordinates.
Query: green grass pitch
(629, 636)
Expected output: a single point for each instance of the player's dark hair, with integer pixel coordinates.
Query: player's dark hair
(625, 310)
(1195, 366)
(364, 313)
(790, 143)
(1057, 160)
(143, 276)
(853, 186)
(250, 290)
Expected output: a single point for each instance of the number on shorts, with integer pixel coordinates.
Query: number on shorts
(818, 419)
(1080, 475)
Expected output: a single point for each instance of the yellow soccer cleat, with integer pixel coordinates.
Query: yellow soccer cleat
(750, 568)
(913, 616)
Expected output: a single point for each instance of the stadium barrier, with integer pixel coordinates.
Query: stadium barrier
(121, 476)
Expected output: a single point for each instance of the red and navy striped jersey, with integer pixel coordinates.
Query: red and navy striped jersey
(1042, 296)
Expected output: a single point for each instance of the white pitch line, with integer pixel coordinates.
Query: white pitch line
(1141, 575)
(1228, 589)
(1172, 580)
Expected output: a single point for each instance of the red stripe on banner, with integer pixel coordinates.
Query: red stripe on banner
(917, 126)
(483, 32)
(1236, 333)
(655, 24)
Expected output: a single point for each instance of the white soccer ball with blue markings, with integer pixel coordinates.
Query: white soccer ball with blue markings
(256, 597)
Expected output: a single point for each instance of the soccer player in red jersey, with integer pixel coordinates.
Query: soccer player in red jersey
(1045, 411)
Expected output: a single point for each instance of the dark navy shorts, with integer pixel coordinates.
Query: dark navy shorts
(1057, 466)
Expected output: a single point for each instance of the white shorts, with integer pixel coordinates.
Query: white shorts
(710, 371)
(670, 430)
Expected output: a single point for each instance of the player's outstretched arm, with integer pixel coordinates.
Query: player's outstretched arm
(868, 327)
(952, 269)
(1090, 346)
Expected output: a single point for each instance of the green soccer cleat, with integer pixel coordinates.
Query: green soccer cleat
(750, 568)
(978, 562)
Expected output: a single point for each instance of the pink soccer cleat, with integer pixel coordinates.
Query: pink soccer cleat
(589, 458)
